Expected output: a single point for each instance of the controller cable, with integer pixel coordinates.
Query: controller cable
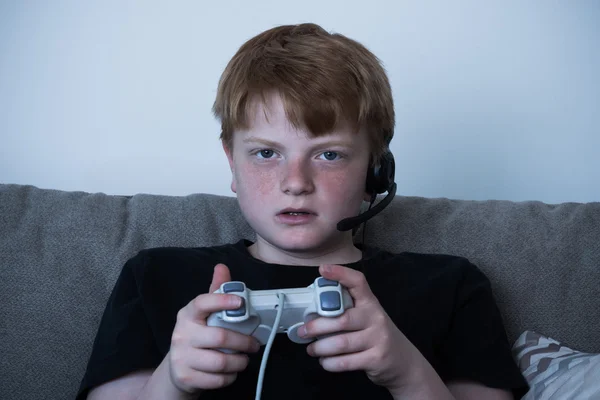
(281, 297)
(363, 244)
(263, 363)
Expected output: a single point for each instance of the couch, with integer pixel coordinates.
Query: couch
(61, 253)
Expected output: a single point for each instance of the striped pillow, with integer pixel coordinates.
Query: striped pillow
(556, 372)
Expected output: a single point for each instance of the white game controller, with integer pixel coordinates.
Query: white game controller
(256, 316)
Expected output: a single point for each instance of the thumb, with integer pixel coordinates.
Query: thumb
(220, 275)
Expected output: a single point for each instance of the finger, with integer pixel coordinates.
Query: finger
(191, 379)
(339, 344)
(214, 337)
(213, 361)
(217, 381)
(351, 279)
(345, 362)
(221, 275)
(353, 319)
(205, 304)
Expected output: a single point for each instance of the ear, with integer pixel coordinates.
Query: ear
(229, 154)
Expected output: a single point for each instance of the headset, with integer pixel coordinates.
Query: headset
(380, 179)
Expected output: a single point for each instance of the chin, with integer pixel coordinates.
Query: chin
(297, 242)
(314, 237)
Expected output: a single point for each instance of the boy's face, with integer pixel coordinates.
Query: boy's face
(292, 188)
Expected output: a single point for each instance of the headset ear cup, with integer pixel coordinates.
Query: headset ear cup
(381, 177)
(387, 172)
(372, 180)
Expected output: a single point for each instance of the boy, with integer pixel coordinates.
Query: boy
(305, 116)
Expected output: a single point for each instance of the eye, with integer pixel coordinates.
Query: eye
(330, 155)
(265, 153)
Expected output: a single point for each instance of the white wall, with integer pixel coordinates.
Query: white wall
(494, 99)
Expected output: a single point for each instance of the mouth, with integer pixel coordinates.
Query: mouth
(296, 212)
(296, 217)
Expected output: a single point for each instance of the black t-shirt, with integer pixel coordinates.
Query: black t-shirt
(443, 305)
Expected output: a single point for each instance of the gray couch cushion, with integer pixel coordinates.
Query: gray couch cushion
(61, 252)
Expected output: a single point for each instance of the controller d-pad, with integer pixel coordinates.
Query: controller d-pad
(238, 312)
(330, 301)
(233, 287)
(322, 282)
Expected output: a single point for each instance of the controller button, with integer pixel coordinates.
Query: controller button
(322, 282)
(238, 312)
(330, 301)
(233, 287)
(293, 334)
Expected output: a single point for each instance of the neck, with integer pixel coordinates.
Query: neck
(340, 253)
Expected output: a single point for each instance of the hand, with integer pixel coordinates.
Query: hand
(372, 342)
(194, 362)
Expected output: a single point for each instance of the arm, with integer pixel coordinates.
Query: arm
(426, 384)
(371, 342)
(159, 385)
(466, 390)
(126, 387)
(477, 330)
(368, 340)
(460, 390)
(192, 364)
(146, 384)
(476, 347)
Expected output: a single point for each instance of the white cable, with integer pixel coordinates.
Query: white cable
(263, 364)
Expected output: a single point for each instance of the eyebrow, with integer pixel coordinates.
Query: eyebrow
(269, 143)
(254, 139)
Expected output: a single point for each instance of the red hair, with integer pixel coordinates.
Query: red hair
(322, 78)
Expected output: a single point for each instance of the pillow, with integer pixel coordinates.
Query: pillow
(556, 372)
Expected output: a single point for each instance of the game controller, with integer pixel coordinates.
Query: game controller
(257, 314)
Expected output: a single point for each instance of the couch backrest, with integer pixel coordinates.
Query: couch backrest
(61, 253)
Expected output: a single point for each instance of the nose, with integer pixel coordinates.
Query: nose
(297, 178)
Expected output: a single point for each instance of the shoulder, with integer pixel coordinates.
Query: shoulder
(184, 253)
(165, 279)
(165, 262)
(425, 266)
(430, 283)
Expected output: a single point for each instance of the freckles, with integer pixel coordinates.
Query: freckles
(264, 181)
(341, 182)
(257, 181)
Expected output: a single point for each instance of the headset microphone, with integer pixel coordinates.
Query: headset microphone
(352, 222)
